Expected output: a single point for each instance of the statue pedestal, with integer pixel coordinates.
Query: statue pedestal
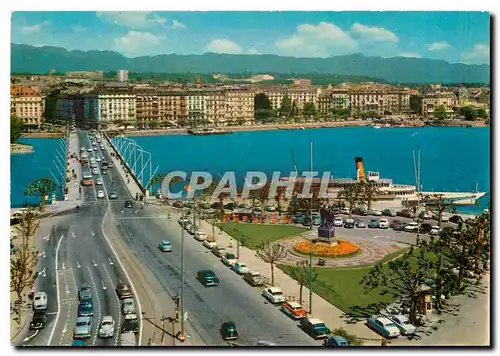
(327, 236)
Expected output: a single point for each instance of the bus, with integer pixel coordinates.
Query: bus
(88, 179)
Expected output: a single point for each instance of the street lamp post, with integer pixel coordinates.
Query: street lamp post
(182, 276)
(311, 244)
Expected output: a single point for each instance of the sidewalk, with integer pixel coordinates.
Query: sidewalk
(322, 309)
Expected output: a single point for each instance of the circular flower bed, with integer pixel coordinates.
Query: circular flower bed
(343, 248)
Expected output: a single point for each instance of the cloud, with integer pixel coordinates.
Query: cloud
(438, 46)
(373, 34)
(138, 43)
(409, 55)
(77, 28)
(253, 50)
(34, 28)
(177, 24)
(319, 40)
(132, 19)
(222, 45)
(480, 54)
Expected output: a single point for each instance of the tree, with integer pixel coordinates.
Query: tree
(272, 253)
(403, 277)
(23, 261)
(468, 113)
(16, 127)
(41, 188)
(441, 113)
(262, 196)
(309, 109)
(481, 113)
(301, 274)
(369, 192)
(286, 106)
(438, 204)
(351, 194)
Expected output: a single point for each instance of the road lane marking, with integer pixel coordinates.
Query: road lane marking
(31, 337)
(92, 280)
(58, 291)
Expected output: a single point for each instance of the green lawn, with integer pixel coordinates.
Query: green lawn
(255, 234)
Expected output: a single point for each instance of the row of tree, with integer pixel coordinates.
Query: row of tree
(469, 113)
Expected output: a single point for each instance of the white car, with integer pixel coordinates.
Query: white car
(98, 181)
(411, 227)
(200, 235)
(383, 224)
(209, 244)
(95, 171)
(404, 325)
(376, 213)
(40, 301)
(435, 230)
(101, 147)
(274, 295)
(83, 149)
(90, 149)
(107, 328)
(338, 221)
(240, 267)
(100, 194)
(98, 159)
(128, 306)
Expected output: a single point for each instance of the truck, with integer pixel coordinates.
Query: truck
(128, 339)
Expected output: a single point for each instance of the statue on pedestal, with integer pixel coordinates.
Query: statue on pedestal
(326, 231)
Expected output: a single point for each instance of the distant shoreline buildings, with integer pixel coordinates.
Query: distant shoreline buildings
(92, 101)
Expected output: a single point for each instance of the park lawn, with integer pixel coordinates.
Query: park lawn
(256, 234)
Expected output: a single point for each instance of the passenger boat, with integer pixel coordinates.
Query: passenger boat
(208, 131)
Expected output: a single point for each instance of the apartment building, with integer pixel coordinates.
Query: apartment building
(147, 106)
(27, 104)
(239, 106)
(173, 107)
(117, 105)
(384, 100)
(430, 102)
(197, 105)
(215, 106)
(96, 74)
(298, 95)
(122, 75)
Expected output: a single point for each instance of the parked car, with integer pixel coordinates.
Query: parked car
(40, 301)
(383, 224)
(293, 309)
(229, 259)
(435, 230)
(165, 246)
(254, 278)
(85, 292)
(360, 211)
(86, 308)
(210, 242)
(411, 227)
(208, 278)
(373, 224)
(228, 331)
(425, 215)
(107, 328)
(388, 212)
(338, 221)
(83, 329)
(405, 213)
(383, 326)
(240, 267)
(307, 221)
(298, 218)
(376, 213)
(274, 295)
(361, 224)
(128, 306)
(110, 164)
(316, 219)
(39, 320)
(404, 325)
(315, 328)
(219, 251)
(335, 341)
(349, 223)
(200, 235)
(230, 206)
(456, 219)
(123, 290)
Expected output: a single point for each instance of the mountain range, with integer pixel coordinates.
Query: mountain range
(29, 59)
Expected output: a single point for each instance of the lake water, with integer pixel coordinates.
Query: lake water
(453, 158)
(26, 168)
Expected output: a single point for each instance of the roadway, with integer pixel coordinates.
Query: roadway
(143, 229)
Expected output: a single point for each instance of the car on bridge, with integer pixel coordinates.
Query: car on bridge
(107, 328)
(78, 343)
(40, 301)
(113, 195)
(100, 194)
(85, 308)
(128, 204)
(128, 306)
(110, 165)
(85, 292)
(83, 329)
(39, 320)
(98, 181)
(123, 290)
(130, 324)
(165, 246)
(228, 331)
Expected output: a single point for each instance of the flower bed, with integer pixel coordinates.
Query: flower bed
(343, 248)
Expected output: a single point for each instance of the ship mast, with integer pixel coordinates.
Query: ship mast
(416, 167)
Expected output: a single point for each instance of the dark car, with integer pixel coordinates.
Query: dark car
(360, 211)
(397, 225)
(230, 206)
(39, 320)
(178, 204)
(130, 324)
(349, 224)
(215, 205)
(335, 341)
(228, 331)
(307, 221)
(425, 228)
(405, 213)
(208, 278)
(78, 343)
(298, 218)
(123, 290)
(456, 219)
(85, 292)
(85, 308)
(128, 204)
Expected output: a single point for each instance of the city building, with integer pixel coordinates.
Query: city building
(215, 106)
(239, 106)
(116, 105)
(27, 104)
(147, 105)
(96, 74)
(197, 106)
(299, 96)
(430, 102)
(381, 99)
(302, 82)
(173, 107)
(122, 75)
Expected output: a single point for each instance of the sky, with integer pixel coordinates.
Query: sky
(456, 37)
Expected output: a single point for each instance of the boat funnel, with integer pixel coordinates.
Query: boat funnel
(360, 170)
